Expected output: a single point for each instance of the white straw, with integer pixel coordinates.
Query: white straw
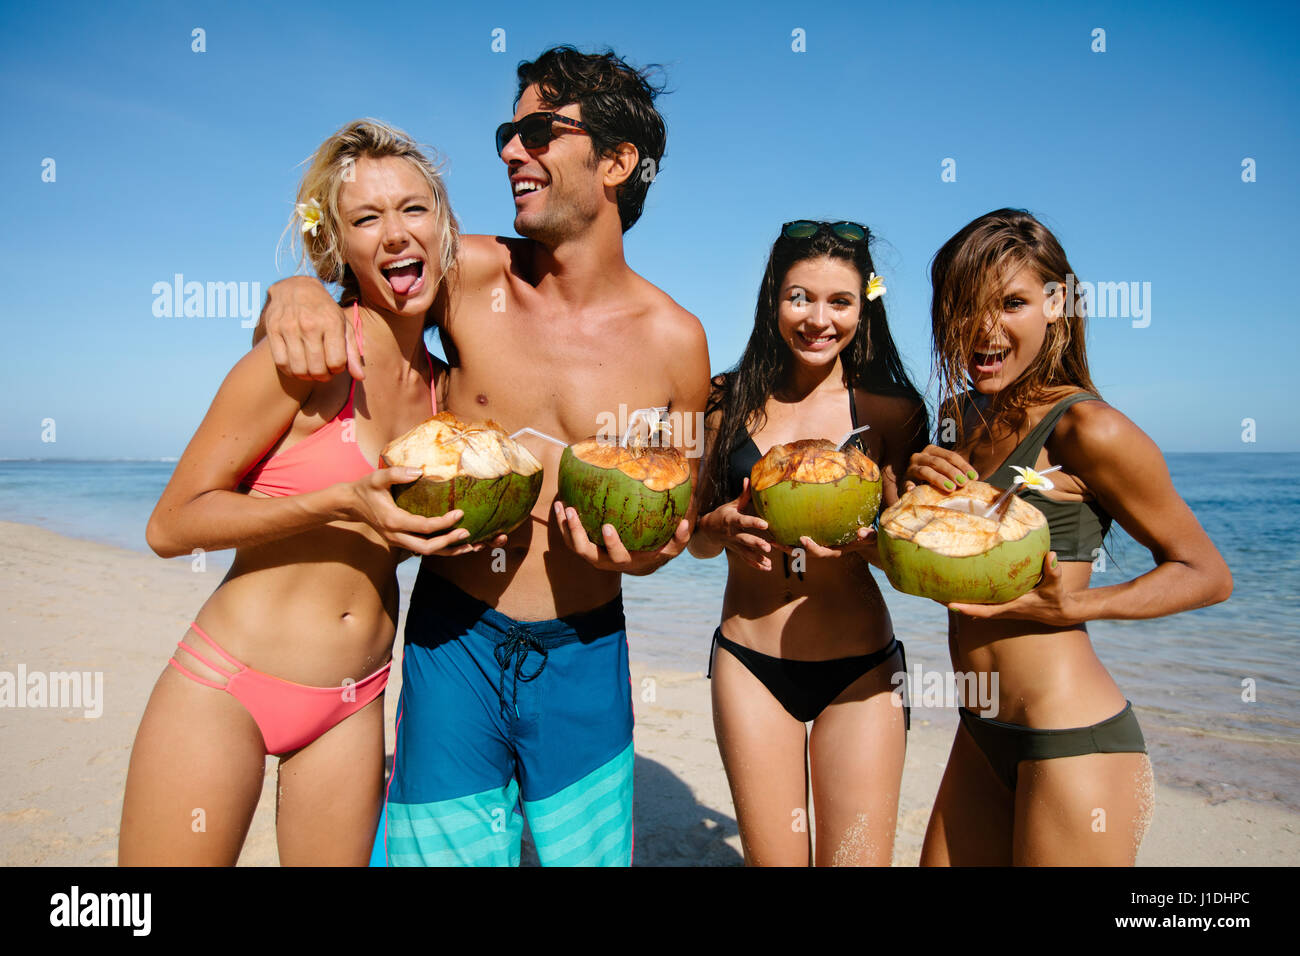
(534, 431)
(860, 428)
(631, 423)
(658, 413)
(1015, 487)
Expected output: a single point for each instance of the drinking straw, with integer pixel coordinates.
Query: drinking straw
(1015, 486)
(860, 428)
(534, 431)
(654, 413)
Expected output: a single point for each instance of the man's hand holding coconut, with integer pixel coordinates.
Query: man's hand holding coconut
(622, 505)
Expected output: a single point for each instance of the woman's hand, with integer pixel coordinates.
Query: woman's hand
(865, 544)
(372, 502)
(739, 532)
(940, 467)
(1049, 602)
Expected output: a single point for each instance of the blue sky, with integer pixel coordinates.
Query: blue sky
(172, 161)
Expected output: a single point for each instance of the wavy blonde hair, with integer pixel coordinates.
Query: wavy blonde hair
(327, 170)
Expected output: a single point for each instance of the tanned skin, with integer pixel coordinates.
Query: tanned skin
(549, 332)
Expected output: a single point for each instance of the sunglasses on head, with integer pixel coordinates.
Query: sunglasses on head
(807, 228)
(535, 130)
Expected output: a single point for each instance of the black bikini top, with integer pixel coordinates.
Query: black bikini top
(745, 454)
(1077, 527)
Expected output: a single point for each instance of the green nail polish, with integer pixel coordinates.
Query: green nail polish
(1053, 562)
(973, 474)
(961, 479)
(948, 484)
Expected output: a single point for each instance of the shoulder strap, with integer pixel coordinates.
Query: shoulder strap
(433, 380)
(1026, 452)
(347, 410)
(356, 327)
(962, 403)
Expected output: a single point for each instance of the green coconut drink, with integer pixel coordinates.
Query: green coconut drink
(811, 488)
(643, 490)
(475, 467)
(942, 547)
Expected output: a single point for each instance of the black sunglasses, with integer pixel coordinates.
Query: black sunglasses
(535, 129)
(807, 228)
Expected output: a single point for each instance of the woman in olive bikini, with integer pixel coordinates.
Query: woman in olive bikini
(1061, 775)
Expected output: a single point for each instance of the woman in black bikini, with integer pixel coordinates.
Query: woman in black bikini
(1061, 776)
(805, 635)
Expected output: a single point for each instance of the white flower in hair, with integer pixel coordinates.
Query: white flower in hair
(875, 287)
(310, 213)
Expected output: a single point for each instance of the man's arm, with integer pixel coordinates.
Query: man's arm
(310, 336)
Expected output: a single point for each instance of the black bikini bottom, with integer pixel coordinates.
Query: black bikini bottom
(806, 688)
(1005, 745)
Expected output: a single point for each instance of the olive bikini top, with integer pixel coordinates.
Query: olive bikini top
(1076, 527)
(745, 455)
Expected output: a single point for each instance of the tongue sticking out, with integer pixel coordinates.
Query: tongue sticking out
(403, 278)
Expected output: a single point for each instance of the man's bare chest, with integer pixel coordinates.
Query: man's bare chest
(573, 387)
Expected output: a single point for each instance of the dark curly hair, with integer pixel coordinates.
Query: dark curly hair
(617, 103)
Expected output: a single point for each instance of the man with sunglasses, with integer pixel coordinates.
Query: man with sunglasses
(516, 689)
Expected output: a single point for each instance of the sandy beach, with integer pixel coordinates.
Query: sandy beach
(72, 605)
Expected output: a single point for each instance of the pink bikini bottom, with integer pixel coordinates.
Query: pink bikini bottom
(289, 715)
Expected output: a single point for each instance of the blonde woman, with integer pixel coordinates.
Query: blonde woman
(290, 655)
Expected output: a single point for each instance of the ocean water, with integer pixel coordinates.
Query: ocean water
(1219, 685)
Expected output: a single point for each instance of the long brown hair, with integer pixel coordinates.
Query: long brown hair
(969, 274)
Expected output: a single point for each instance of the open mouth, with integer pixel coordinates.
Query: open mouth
(526, 187)
(406, 276)
(817, 342)
(989, 362)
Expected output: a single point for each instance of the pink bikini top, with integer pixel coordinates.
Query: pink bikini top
(327, 456)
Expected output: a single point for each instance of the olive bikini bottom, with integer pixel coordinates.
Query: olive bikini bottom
(1005, 745)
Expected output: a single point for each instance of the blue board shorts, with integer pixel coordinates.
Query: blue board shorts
(499, 718)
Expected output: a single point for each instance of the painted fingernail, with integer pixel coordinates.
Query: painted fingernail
(973, 474)
(961, 479)
(1053, 562)
(948, 484)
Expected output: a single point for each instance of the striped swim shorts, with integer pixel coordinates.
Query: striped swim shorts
(500, 719)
